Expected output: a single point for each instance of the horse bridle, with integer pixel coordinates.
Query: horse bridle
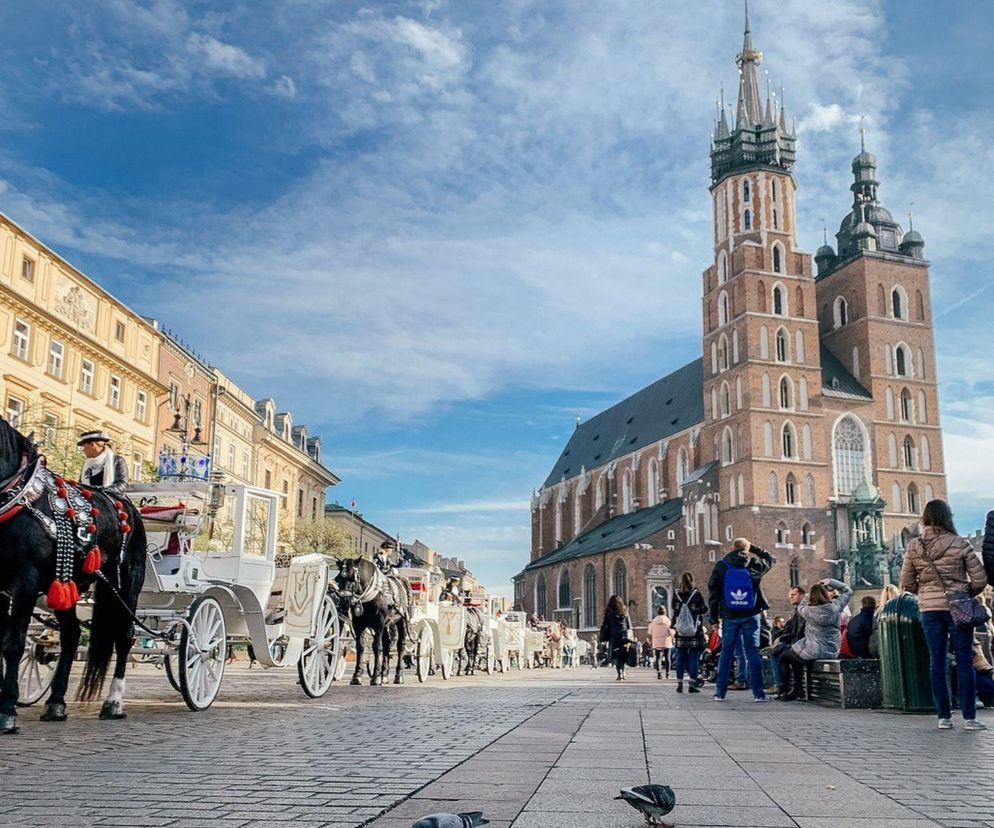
(22, 488)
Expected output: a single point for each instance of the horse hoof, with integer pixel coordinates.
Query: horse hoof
(375, 681)
(54, 712)
(398, 680)
(356, 682)
(112, 711)
(8, 725)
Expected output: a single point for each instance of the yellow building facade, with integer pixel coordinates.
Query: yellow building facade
(73, 357)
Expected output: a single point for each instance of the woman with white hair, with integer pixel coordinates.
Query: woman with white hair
(102, 468)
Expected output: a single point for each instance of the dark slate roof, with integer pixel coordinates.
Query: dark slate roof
(832, 369)
(669, 405)
(700, 472)
(616, 533)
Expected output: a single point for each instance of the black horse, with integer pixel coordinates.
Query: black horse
(477, 633)
(29, 566)
(373, 604)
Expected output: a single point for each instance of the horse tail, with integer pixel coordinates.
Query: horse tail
(113, 614)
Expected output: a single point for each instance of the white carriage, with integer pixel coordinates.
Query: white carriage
(492, 654)
(437, 629)
(512, 626)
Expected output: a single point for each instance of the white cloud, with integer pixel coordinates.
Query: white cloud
(472, 507)
(224, 58)
(284, 87)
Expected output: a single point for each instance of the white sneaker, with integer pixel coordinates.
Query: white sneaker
(973, 724)
(945, 724)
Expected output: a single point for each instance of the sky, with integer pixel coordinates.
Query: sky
(438, 232)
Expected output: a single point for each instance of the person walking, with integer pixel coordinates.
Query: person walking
(689, 610)
(661, 634)
(617, 632)
(594, 655)
(938, 564)
(822, 638)
(735, 597)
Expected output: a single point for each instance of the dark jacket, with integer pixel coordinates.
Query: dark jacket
(987, 550)
(698, 608)
(765, 632)
(792, 630)
(859, 631)
(758, 562)
(614, 632)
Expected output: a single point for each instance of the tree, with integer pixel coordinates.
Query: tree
(321, 535)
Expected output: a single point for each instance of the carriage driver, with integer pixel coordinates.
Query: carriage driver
(382, 559)
(102, 467)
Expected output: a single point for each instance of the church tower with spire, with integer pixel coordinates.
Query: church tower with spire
(763, 420)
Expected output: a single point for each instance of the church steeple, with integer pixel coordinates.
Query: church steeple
(759, 137)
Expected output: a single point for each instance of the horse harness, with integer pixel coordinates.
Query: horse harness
(71, 525)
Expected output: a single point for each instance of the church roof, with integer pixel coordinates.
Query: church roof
(668, 406)
(616, 533)
(837, 381)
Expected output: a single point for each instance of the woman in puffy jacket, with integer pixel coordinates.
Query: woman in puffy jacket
(661, 634)
(822, 616)
(617, 632)
(936, 563)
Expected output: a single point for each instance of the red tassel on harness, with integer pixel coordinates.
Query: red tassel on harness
(91, 563)
(58, 596)
(91, 528)
(125, 528)
(73, 594)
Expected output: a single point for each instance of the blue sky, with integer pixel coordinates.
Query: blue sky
(439, 231)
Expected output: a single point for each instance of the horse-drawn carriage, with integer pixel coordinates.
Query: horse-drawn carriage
(212, 580)
(437, 627)
(512, 627)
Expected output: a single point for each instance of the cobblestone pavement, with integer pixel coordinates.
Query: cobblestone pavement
(538, 748)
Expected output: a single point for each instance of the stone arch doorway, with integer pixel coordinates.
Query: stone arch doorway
(659, 590)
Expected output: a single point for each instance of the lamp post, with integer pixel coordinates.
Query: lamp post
(180, 426)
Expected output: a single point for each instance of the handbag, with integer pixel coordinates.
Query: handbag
(966, 611)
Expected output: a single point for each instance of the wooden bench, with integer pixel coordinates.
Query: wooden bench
(849, 683)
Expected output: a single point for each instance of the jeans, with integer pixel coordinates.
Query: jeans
(791, 676)
(939, 627)
(662, 661)
(741, 665)
(745, 630)
(687, 660)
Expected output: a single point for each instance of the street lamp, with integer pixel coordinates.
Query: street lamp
(186, 467)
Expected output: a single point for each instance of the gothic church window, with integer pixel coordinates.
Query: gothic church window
(682, 466)
(897, 502)
(786, 394)
(738, 392)
(745, 190)
(722, 309)
(540, 605)
(909, 453)
(589, 596)
(806, 534)
(914, 505)
(564, 592)
(899, 302)
(809, 486)
(619, 580)
(776, 253)
(727, 447)
(723, 353)
(626, 492)
(735, 346)
(849, 446)
(747, 220)
(799, 353)
(774, 488)
(774, 183)
(776, 222)
(779, 301)
(804, 394)
(922, 412)
(742, 489)
(921, 364)
(790, 490)
(892, 450)
(726, 401)
(929, 493)
(789, 441)
(889, 397)
(783, 345)
(806, 442)
(902, 360)
(841, 312)
(907, 409)
(731, 491)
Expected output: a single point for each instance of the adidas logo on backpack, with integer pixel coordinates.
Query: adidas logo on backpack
(737, 588)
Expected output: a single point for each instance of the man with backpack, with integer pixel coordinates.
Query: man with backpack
(735, 596)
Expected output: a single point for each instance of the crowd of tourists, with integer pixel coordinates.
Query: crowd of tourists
(723, 633)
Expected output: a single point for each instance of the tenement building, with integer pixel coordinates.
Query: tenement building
(810, 424)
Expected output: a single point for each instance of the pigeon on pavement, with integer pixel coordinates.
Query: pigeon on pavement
(654, 801)
(470, 820)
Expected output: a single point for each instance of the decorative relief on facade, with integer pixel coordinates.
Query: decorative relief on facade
(75, 304)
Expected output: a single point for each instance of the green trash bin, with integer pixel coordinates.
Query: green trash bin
(904, 657)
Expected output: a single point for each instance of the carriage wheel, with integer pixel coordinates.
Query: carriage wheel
(348, 649)
(321, 655)
(35, 673)
(167, 665)
(424, 653)
(490, 657)
(202, 650)
(447, 663)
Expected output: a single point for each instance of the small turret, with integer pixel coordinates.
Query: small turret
(825, 258)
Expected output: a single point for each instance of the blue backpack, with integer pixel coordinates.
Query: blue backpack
(736, 588)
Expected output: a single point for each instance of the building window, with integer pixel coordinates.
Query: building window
(783, 346)
(627, 498)
(245, 465)
(841, 312)
(907, 413)
(28, 269)
(790, 490)
(914, 505)
(300, 502)
(926, 455)
(115, 392)
(86, 377)
(776, 260)
(589, 596)
(231, 456)
(137, 464)
(540, 605)
(141, 406)
(786, 394)
(745, 190)
(198, 413)
(619, 579)
(56, 354)
(564, 593)
(653, 482)
(314, 508)
(896, 498)
(909, 453)
(806, 534)
(779, 304)
(15, 411)
(774, 488)
(849, 450)
(119, 331)
(899, 303)
(682, 466)
(51, 429)
(774, 183)
(727, 449)
(795, 574)
(726, 400)
(789, 442)
(268, 479)
(747, 220)
(22, 339)
(722, 353)
(780, 534)
(768, 438)
(901, 361)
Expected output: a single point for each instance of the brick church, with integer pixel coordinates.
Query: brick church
(810, 424)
